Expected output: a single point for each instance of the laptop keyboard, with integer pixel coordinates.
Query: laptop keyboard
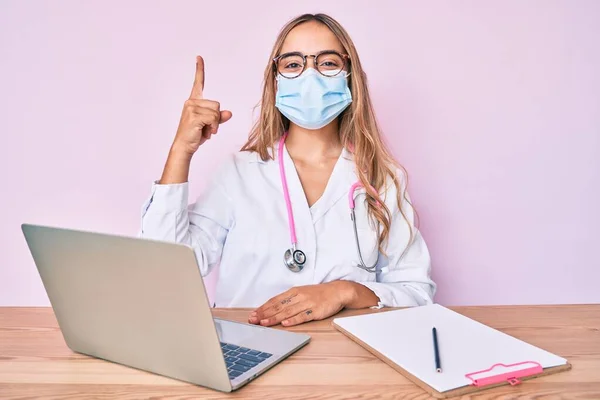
(241, 359)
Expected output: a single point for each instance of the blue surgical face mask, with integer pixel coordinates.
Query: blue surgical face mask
(312, 100)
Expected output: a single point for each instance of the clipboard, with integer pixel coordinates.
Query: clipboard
(402, 339)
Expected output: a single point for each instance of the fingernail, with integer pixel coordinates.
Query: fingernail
(285, 322)
(264, 321)
(253, 314)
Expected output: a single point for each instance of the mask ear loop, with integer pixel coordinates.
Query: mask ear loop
(347, 64)
(343, 70)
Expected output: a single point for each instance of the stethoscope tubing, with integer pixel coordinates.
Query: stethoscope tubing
(290, 261)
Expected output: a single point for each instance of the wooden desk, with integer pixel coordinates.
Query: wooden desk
(35, 362)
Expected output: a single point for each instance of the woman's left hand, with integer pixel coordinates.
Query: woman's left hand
(303, 303)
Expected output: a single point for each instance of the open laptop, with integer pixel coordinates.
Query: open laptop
(142, 303)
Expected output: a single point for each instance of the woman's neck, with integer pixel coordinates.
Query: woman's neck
(314, 145)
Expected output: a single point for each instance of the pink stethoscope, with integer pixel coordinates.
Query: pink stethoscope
(294, 258)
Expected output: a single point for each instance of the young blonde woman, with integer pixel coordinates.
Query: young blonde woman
(312, 215)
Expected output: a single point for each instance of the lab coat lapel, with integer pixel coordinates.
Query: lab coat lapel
(338, 187)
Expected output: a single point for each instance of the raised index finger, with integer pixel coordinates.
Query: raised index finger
(198, 87)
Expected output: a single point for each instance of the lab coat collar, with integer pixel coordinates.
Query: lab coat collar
(254, 157)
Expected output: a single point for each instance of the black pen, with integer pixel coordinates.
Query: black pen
(438, 365)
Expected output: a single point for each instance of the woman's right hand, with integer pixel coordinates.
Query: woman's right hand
(200, 119)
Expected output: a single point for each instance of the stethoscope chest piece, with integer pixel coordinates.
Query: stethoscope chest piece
(294, 260)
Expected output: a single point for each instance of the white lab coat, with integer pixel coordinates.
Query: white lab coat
(240, 223)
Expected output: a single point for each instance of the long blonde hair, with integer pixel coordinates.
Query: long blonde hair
(358, 129)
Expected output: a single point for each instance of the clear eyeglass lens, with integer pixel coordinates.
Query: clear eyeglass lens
(290, 66)
(329, 64)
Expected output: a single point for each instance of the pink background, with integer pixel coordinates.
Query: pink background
(494, 108)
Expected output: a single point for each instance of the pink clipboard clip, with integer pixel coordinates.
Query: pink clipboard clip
(512, 373)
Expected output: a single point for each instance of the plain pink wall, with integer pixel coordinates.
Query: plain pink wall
(494, 108)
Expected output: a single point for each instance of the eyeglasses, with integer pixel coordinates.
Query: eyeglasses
(328, 63)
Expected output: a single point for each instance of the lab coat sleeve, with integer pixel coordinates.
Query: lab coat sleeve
(403, 280)
(203, 225)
